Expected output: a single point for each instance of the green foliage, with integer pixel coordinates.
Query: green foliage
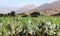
(24, 15)
(1, 14)
(33, 26)
(12, 13)
(35, 14)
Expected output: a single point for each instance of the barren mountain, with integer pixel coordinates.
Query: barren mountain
(5, 10)
(48, 8)
(26, 9)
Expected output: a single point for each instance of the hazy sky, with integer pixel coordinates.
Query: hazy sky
(20, 3)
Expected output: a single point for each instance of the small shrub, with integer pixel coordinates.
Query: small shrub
(35, 14)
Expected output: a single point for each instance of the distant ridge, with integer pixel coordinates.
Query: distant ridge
(26, 8)
(47, 8)
(50, 8)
